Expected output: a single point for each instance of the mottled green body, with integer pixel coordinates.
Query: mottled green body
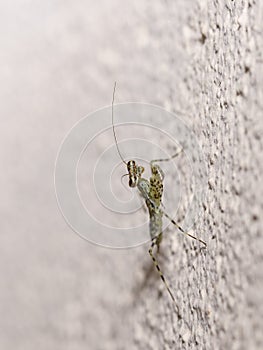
(152, 192)
(155, 194)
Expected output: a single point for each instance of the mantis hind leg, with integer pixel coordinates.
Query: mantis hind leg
(156, 242)
(182, 230)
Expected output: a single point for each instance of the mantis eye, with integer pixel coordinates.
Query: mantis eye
(132, 182)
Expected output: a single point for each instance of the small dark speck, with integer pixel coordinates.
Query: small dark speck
(214, 236)
(203, 38)
(160, 294)
(247, 69)
(240, 93)
(254, 217)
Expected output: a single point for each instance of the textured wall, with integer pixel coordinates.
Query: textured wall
(58, 63)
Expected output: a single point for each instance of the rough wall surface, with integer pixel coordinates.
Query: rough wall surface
(59, 61)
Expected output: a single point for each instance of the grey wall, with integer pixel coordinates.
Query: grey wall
(59, 60)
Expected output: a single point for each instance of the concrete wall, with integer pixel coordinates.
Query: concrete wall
(59, 60)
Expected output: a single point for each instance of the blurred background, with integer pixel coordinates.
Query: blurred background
(58, 63)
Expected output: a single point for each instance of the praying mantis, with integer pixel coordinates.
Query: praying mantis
(152, 191)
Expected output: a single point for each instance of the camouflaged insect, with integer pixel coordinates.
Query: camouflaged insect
(152, 191)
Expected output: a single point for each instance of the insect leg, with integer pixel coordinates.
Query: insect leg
(154, 242)
(166, 159)
(182, 230)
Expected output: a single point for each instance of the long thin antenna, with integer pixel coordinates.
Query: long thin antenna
(113, 127)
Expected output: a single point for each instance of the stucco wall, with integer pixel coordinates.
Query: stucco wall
(58, 63)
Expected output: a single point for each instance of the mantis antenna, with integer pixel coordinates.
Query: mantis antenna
(113, 127)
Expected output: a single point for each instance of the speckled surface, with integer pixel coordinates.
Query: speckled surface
(58, 62)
